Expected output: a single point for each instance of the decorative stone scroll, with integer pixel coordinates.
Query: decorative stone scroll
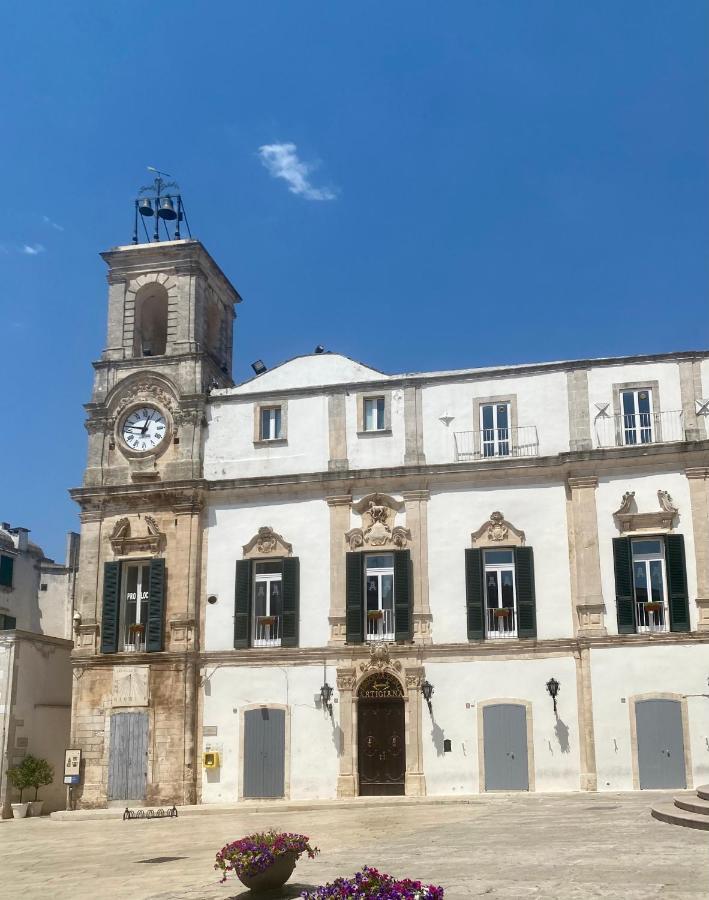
(379, 659)
(378, 512)
(497, 531)
(124, 543)
(266, 542)
(629, 519)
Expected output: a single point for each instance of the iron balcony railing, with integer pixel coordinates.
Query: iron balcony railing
(635, 429)
(380, 625)
(491, 443)
(650, 617)
(501, 622)
(134, 638)
(267, 631)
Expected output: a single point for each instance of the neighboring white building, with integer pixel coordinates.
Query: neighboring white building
(36, 607)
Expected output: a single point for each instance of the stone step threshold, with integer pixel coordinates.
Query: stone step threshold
(672, 815)
(251, 806)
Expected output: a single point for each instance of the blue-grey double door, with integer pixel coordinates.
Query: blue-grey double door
(660, 739)
(264, 752)
(128, 756)
(505, 747)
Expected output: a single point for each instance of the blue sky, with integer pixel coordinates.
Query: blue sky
(471, 183)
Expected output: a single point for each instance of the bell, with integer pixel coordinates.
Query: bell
(145, 207)
(167, 210)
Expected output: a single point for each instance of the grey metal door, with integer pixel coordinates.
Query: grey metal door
(128, 756)
(505, 747)
(660, 744)
(264, 752)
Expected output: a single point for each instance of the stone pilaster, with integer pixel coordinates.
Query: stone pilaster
(337, 432)
(413, 427)
(579, 414)
(339, 526)
(346, 781)
(690, 384)
(416, 504)
(586, 590)
(587, 741)
(698, 479)
(415, 779)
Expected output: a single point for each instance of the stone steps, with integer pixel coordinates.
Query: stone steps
(689, 812)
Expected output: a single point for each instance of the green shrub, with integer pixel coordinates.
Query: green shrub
(31, 773)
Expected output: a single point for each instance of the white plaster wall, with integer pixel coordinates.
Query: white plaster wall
(616, 674)
(372, 450)
(230, 689)
(55, 603)
(608, 497)
(21, 600)
(303, 523)
(229, 450)
(309, 371)
(541, 401)
(539, 511)
(704, 369)
(461, 687)
(601, 381)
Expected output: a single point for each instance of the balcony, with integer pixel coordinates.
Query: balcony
(134, 638)
(496, 443)
(650, 617)
(380, 625)
(501, 623)
(636, 429)
(267, 631)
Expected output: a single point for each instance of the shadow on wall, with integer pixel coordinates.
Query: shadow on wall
(437, 737)
(561, 730)
(338, 738)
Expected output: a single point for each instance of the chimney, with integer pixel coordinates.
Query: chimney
(72, 550)
(22, 539)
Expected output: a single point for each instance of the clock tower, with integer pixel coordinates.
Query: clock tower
(170, 324)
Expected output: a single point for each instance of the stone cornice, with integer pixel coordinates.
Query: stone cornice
(583, 481)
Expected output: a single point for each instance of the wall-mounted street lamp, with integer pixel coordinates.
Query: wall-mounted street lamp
(553, 689)
(427, 691)
(326, 696)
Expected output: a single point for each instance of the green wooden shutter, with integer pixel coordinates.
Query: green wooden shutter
(526, 597)
(242, 605)
(156, 606)
(354, 601)
(474, 594)
(7, 564)
(291, 602)
(677, 582)
(403, 595)
(624, 597)
(111, 604)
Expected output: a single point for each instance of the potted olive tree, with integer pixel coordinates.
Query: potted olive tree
(31, 773)
(17, 776)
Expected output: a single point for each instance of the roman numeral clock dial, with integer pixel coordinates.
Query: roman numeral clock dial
(144, 429)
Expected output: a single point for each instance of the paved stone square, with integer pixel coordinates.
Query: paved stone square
(511, 846)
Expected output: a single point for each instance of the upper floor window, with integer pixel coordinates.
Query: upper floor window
(270, 423)
(133, 606)
(7, 623)
(267, 604)
(638, 416)
(374, 414)
(7, 565)
(500, 594)
(495, 429)
(649, 585)
(379, 597)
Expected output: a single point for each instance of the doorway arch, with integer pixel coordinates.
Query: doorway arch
(381, 736)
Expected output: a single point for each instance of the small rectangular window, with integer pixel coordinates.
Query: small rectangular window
(270, 423)
(649, 584)
(374, 414)
(43, 587)
(7, 623)
(7, 564)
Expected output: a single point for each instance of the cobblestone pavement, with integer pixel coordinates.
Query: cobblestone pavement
(521, 846)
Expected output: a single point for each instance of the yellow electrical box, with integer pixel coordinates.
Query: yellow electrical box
(210, 760)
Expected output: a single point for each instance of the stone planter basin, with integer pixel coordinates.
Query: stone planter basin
(274, 877)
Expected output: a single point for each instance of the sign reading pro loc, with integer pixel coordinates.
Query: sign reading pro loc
(72, 766)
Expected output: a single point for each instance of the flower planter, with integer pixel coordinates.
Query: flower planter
(652, 607)
(36, 807)
(501, 613)
(375, 614)
(267, 620)
(19, 810)
(274, 877)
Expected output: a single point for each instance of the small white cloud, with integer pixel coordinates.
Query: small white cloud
(281, 161)
(54, 225)
(32, 249)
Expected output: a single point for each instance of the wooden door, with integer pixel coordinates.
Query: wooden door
(128, 756)
(660, 744)
(264, 752)
(505, 747)
(381, 746)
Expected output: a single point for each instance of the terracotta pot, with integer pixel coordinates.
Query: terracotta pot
(274, 877)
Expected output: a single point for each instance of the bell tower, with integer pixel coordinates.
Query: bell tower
(170, 322)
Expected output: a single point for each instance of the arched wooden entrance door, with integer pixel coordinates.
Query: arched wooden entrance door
(381, 741)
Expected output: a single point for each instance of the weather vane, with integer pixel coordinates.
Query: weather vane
(162, 200)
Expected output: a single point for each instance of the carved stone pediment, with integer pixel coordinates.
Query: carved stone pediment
(124, 542)
(266, 542)
(379, 659)
(497, 532)
(628, 518)
(378, 512)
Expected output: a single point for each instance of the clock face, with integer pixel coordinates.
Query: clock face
(144, 428)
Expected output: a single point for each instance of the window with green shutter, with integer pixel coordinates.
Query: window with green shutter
(111, 607)
(474, 594)
(242, 605)
(354, 600)
(7, 565)
(678, 597)
(156, 607)
(291, 602)
(403, 596)
(624, 595)
(526, 593)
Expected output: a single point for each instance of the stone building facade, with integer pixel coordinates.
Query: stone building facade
(273, 584)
